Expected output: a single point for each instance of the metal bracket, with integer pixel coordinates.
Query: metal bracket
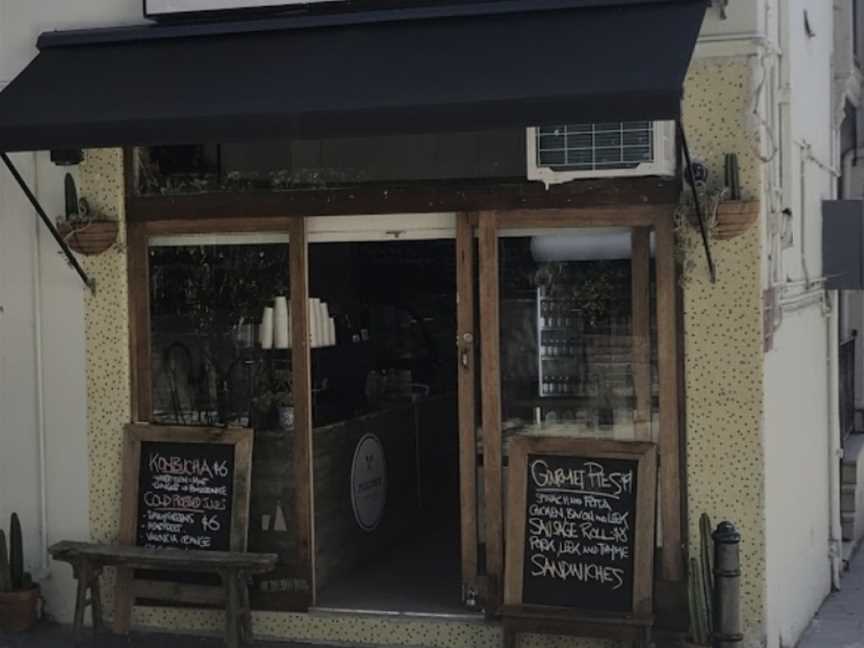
(700, 214)
(47, 222)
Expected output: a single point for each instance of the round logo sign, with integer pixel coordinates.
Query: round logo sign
(368, 482)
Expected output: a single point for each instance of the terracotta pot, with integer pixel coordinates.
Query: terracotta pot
(18, 609)
(734, 218)
(90, 238)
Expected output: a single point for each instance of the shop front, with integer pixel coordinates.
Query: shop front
(367, 281)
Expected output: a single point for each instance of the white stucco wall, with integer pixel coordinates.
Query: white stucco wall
(798, 430)
(37, 285)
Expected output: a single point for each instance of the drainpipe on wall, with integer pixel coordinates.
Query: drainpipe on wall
(40, 390)
(835, 453)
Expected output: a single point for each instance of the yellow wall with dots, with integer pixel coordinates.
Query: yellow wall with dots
(723, 337)
(723, 384)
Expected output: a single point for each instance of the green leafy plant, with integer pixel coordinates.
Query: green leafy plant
(16, 553)
(5, 571)
(13, 578)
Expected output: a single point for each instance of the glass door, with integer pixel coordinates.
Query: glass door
(391, 357)
(578, 340)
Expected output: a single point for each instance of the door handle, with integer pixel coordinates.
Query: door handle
(465, 346)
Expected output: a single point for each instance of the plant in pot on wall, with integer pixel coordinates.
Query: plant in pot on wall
(85, 231)
(19, 596)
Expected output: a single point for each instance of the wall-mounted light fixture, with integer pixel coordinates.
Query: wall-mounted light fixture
(67, 157)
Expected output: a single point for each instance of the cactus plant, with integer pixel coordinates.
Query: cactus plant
(16, 553)
(5, 575)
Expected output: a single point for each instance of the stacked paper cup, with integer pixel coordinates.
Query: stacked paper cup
(281, 327)
(265, 334)
(322, 327)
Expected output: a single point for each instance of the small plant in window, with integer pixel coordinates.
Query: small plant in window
(274, 399)
(596, 287)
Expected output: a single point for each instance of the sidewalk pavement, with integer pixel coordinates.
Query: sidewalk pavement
(57, 636)
(839, 623)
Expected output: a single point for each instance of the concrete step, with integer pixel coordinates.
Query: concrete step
(847, 525)
(854, 448)
(848, 494)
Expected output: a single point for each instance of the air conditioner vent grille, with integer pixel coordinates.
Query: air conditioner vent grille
(595, 147)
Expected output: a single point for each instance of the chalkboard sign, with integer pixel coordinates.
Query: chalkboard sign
(183, 488)
(581, 526)
(185, 493)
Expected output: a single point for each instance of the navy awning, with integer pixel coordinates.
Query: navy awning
(513, 63)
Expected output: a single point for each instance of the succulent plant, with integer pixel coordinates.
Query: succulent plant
(5, 574)
(16, 553)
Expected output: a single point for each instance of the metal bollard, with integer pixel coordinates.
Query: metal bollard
(727, 577)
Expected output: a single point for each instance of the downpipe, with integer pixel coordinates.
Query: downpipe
(835, 452)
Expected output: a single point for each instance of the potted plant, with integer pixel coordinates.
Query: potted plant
(19, 596)
(274, 402)
(84, 230)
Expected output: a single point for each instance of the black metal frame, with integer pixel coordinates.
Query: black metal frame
(47, 222)
(700, 214)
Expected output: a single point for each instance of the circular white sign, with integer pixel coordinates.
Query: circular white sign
(368, 482)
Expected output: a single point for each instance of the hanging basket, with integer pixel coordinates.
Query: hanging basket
(734, 218)
(90, 238)
(18, 609)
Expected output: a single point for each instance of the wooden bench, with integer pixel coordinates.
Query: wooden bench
(234, 569)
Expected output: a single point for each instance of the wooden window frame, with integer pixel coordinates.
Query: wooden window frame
(670, 474)
(138, 244)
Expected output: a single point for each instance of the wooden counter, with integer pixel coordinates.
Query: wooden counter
(416, 437)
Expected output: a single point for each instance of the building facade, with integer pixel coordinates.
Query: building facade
(753, 357)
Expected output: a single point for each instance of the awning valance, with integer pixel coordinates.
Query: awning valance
(467, 66)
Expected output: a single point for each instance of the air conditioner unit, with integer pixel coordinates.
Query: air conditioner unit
(601, 150)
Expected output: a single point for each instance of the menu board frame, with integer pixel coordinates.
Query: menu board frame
(135, 434)
(645, 497)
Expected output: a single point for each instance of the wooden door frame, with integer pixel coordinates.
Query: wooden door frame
(640, 218)
(488, 223)
(466, 335)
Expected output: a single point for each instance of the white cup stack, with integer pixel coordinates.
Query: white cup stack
(265, 334)
(281, 326)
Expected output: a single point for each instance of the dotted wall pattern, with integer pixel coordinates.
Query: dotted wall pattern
(723, 339)
(723, 374)
(107, 340)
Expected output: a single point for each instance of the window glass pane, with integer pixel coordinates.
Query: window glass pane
(213, 362)
(286, 164)
(567, 336)
(384, 394)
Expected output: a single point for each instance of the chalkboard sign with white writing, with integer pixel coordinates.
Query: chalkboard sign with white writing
(185, 493)
(580, 525)
(183, 488)
(579, 541)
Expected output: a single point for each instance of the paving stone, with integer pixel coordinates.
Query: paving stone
(840, 621)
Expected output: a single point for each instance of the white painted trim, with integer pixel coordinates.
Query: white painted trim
(730, 45)
(252, 238)
(333, 229)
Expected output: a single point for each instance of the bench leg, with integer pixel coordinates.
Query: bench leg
(232, 630)
(82, 573)
(96, 601)
(245, 609)
(123, 600)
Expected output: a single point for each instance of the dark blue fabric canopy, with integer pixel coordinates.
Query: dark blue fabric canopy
(466, 66)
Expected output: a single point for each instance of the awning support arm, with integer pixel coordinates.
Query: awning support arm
(47, 221)
(700, 213)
